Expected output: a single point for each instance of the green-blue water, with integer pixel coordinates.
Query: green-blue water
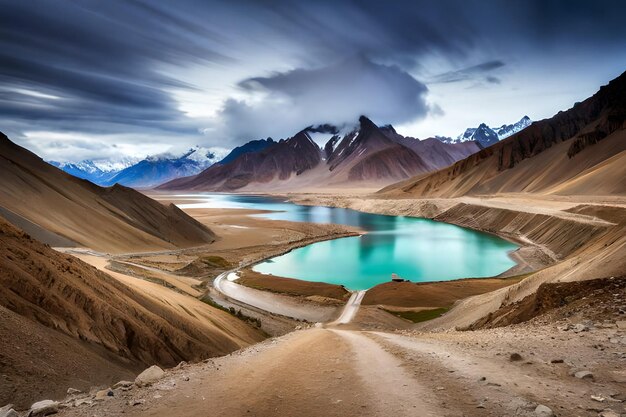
(416, 249)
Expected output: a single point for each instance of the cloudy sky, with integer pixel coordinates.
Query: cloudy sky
(92, 79)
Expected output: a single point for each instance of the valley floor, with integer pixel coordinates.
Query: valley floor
(372, 363)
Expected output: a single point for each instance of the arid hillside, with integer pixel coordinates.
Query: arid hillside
(64, 323)
(42, 199)
(581, 151)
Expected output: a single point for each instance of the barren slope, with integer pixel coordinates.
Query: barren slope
(579, 151)
(62, 307)
(114, 219)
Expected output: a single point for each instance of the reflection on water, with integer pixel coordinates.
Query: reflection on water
(416, 249)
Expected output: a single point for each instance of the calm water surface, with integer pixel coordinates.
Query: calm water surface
(419, 250)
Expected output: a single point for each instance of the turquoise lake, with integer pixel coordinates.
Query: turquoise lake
(419, 250)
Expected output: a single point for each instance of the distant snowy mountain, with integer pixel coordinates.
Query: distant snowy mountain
(151, 171)
(95, 171)
(505, 131)
(487, 136)
(158, 169)
(482, 134)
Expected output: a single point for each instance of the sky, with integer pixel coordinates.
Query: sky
(87, 79)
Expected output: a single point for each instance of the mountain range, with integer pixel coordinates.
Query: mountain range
(160, 169)
(487, 136)
(145, 173)
(368, 155)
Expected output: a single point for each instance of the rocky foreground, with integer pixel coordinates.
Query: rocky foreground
(570, 361)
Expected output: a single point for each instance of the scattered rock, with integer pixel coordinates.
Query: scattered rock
(123, 384)
(180, 365)
(136, 401)
(43, 408)
(185, 378)
(104, 394)
(72, 391)
(149, 376)
(577, 328)
(8, 411)
(583, 375)
(598, 398)
(608, 413)
(621, 324)
(482, 378)
(82, 401)
(556, 361)
(543, 411)
(515, 357)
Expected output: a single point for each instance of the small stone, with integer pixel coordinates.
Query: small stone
(598, 398)
(43, 408)
(556, 361)
(104, 394)
(185, 378)
(136, 402)
(8, 411)
(515, 357)
(621, 324)
(122, 384)
(482, 378)
(608, 413)
(149, 376)
(583, 375)
(577, 328)
(82, 401)
(543, 411)
(72, 391)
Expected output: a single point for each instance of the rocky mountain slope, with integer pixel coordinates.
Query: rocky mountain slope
(114, 219)
(64, 323)
(366, 155)
(578, 151)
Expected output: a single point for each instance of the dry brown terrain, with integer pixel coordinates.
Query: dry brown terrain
(291, 286)
(522, 370)
(56, 307)
(432, 294)
(51, 204)
(580, 151)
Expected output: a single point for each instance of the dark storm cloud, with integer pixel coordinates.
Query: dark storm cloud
(100, 61)
(112, 65)
(333, 94)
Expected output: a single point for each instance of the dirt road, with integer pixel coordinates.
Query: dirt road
(335, 372)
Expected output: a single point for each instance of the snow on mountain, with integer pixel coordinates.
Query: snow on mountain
(157, 169)
(505, 131)
(487, 136)
(96, 171)
(136, 172)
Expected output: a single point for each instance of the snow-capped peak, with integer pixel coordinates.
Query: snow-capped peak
(505, 131)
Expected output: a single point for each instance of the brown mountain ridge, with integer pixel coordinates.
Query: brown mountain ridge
(578, 151)
(367, 155)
